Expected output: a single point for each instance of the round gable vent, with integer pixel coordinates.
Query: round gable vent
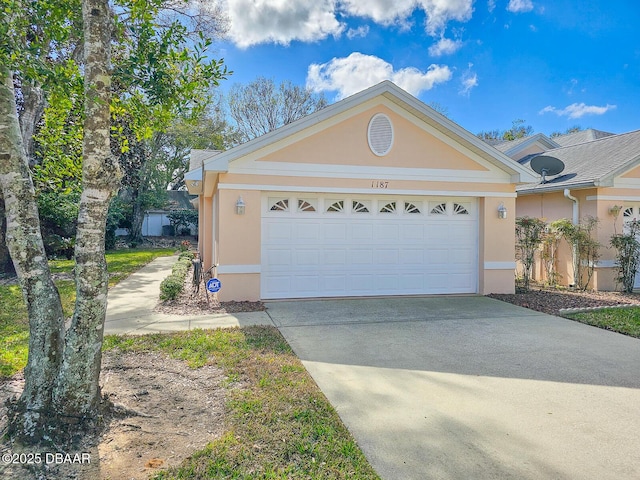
(380, 134)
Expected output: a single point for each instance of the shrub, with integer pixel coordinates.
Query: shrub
(627, 255)
(529, 236)
(172, 286)
(586, 250)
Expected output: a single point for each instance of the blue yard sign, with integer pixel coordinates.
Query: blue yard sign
(214, 285)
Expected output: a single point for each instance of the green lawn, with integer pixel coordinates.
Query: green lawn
(14, 325)
(621, 320)
(279, 425)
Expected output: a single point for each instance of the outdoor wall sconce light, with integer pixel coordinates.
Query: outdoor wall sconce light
(240, 206)
(502, 211)
(615, 210)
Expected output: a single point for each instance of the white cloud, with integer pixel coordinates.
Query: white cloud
(385, 12)
(491, 5)
(282, 21)
(520, 6)
(469, 81)
(352, 74)
(444, 46)
(361, 31)
(578, 110)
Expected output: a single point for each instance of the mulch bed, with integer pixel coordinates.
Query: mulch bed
(190, 302)
(555, 301)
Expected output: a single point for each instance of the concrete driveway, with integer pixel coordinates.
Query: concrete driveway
(472, 388)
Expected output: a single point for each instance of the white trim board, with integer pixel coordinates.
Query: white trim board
(226, 269)
(499, 265)
(363, 191)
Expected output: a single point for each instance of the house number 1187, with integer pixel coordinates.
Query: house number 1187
(379, 184)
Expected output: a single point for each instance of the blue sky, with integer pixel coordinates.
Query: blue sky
(553, 63)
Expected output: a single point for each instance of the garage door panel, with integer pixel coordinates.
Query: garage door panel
(361, 256)
(278, 257)
(335, 231)
(334, 285)
(388, 232)
(412, 232)
(307, 231)
(412, 256)
(307, 257)
(362, 232)
(315, 254)
(387, 256)
(334, 256)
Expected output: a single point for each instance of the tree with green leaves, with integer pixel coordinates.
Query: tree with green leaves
(627, 249)
(518, 129)
(585, 248)
(529, 236)
(61, 394)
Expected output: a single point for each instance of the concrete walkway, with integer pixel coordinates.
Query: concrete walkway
(130, 306)
(462, 388)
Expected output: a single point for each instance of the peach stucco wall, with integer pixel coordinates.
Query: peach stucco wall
(496, 249)
(346, 144)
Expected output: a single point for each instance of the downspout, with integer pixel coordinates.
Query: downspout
(575, 220)
(576, 206)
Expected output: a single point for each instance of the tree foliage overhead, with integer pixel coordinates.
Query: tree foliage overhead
(61, 49)
(518, 129)
(574, 129)
(260, 106)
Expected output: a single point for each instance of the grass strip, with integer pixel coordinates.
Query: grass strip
(14, 324)
(279, 424)
(620, 320)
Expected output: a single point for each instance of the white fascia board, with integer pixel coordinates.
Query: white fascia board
(217, 164)
(288, 169)
(613, 178)
(540, 138)
(363, 191)
(195, 174)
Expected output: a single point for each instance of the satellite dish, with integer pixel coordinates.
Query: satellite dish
(545, 165)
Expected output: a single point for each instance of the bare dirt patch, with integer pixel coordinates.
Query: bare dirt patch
(165, 412)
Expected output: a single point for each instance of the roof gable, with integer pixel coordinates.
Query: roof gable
(582, 136)
(395, 99)
(521, 147)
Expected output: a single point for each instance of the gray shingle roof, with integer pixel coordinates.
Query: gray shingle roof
(591, 163)
(582, 136)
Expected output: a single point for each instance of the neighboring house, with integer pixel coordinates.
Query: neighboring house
(377, 194)
(155, 220)
(601, 172)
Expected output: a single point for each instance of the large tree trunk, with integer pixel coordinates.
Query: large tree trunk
(6, 265)
(46, 320)
(77, 393)
(32, 111)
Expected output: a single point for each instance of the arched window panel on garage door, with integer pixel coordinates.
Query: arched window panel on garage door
(412, 207)
(389, 207)
(460, 209)
(335, 206)
(278, 204)
(361, 206)
(629, 213)
(437, 208)
(307, 204)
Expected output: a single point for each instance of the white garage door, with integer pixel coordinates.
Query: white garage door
(333, 246)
